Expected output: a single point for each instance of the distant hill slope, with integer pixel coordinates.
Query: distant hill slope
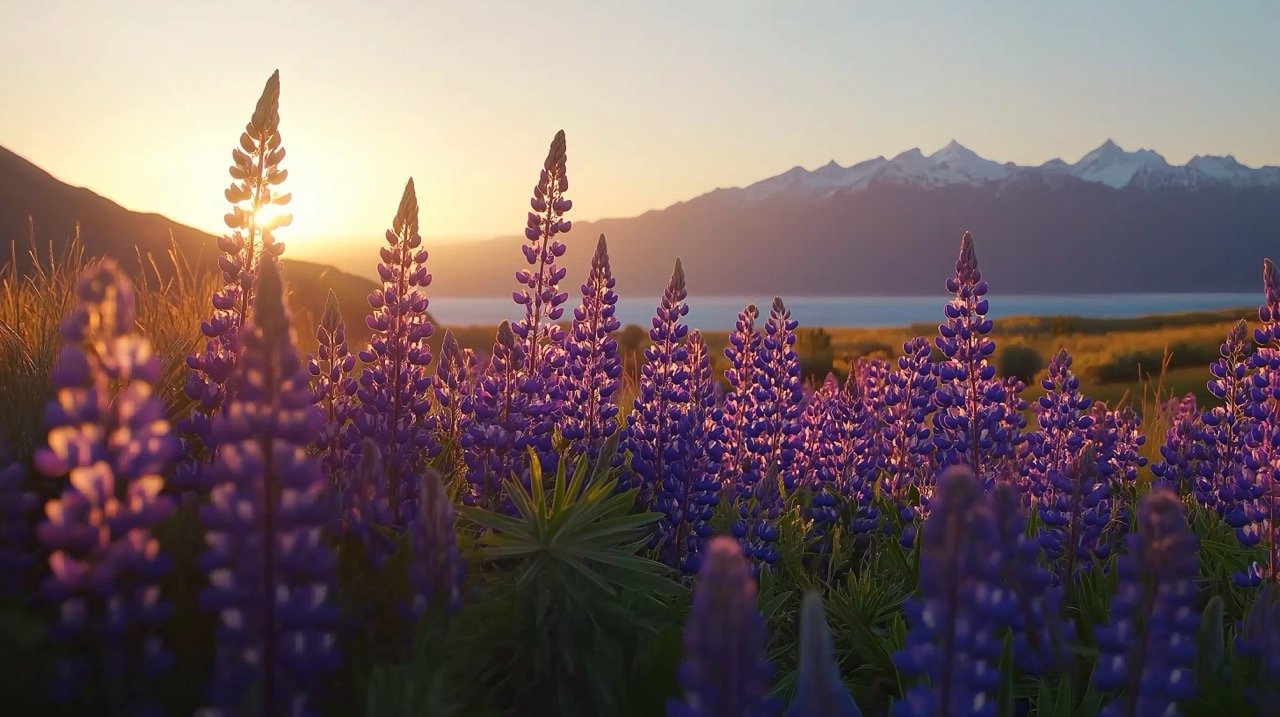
(1115, 221)
(31, 197)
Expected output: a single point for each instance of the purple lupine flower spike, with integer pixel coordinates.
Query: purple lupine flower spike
(1259, 641)
(1147, 650)
(333, 387)
(1183, 449)
(270, 570)
(1222, 482)
(366, 511)
(1256, 512)
(726, 670)
(108, 435)
(823, 452)
(906, 439)
(689, 493)
(653, 434)
(974, 424)
(436, 571)
(865, 398)
(594, 370)
(739, 402)
(394, 386)
(451, 386)
(820, 692)
(955, 638)
(255, 215)
(17, 512)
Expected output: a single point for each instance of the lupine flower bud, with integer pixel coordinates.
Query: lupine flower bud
(256, 213)
(451, 386)
(726, 671)
(108, 435)
(819, 689)
(1148, 648)
(394, 388)
(270, 570)
(436, 570)
(593, 374)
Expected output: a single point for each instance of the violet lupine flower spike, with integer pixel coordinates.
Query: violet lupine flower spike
(739, 401)
(1257, 499)
(955, 635)
(594, 369)
(1063, 419)
(256, 213)
(1222, 480)
(436, 570)
(366, 512)
(451, 386)
(1148, 648)
(270, 570)
(972, 425)
(394, 386)
(690, 491)
(824, 444)
(108, 435)
(906, 438)
(333, 387)
(1183, 449)
(726, 670)
(653, 430)
(541, 296)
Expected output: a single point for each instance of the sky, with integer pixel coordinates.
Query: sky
(661, 101)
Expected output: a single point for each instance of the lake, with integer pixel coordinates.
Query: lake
(717, 313)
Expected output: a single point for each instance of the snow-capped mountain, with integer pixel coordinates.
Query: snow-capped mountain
(1108, 165)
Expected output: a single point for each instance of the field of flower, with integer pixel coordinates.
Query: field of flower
(260, 516)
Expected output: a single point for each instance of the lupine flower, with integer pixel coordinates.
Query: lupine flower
(451, 386)
(653, 428)
(270, 571)
(1063, 419)
(108, 435)
(819, 689)
(866, 418)
(955, 638)
(366, 511)
(594, 370)
(436, 570)
(16, 510)
(1075, 511)
(1259, 640)
(1183, 448)
(1257, 497)
(741, 350)
(540, 294)
(1148, 648)
(256, 213)
(973, 424)
(726, 670)
(822, 457)
(1118, 437)
(333, 388)
(907, 439)
(1222, 477)
(689, 493)
(507, 419)
(393, 388)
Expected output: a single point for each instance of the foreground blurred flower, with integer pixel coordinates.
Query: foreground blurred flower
(436, 570)
(726, 671)
(1259, 640)
(255, 214)
(270, 571)
(594, 370)
(394, 386)
(108, 435)
(1147, 650)
(16, 511)
(819, 689)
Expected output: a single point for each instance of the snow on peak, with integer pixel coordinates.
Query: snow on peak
(1114, 167)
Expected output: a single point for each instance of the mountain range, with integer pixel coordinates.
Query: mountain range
(1114, 221)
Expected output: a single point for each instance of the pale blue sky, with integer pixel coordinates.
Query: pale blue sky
(661, 101)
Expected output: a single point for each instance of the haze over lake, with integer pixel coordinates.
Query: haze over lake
(717, 313)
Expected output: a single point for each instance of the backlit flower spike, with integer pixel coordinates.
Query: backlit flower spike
(257, 211)
(690, 491)
(1063, 419)
(822, 458)
(270, 569)
(17, 517)
(866, 454)
(394, 387)
(726, 670)
(1118, 436)
(653, 427)
(820, 692)
(971, 425)
(1259, 641)
(955, 638)
(1075, 512)
(739, 401)
(506, 421)
(1147, 650)
(333, 387)
(540, 293)
(906, 435)
(451, 386)
(436, 570)
(1222, 482)
(108, 435)
(773, 433)
(1256, 511)
(1183, 450)
(594, 371)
